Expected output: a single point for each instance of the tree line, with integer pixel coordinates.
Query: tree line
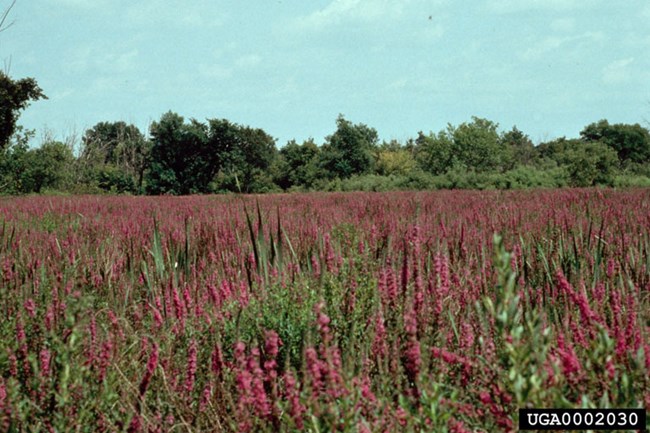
(187, 156)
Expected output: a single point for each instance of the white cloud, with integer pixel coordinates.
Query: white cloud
(169, 12)
(223, 69)
(77, 60)
(120, 62)
(563, 25)
(84, 4)
(343, 10)
(215, 71)
(553, 43)
(512, 6)
(87, 58)
(364, 11)
(433, 32)
(58, 95)
(248, 61)
(617, 71)
(399, 84)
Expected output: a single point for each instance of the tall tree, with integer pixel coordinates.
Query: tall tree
(473, 145)
(186, 157)
(349, 150)
(631, 142)
(477, 146)
(48, 166)
(517, 148)
(15, 95)
(245, 156)
(299, 164)
(587, 163)
(435, 152)
(182, 160)
(118, 152)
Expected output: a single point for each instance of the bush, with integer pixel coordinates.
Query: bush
(631, 180)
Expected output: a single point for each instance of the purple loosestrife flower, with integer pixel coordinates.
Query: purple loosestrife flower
(152, 363)
(44, 360)
(292, 395)
(569, 360)
(272, 343)
(379, 345)
(135, 425)
(217, 360)
(314, 369)
(30, 307)
(190, 373)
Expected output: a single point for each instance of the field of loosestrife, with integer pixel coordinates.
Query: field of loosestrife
(361, 312)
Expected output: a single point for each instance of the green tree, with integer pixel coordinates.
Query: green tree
(12, 160)
(591, 164)
(15, 95)
(183, 161)
(472, 146)
(556, 150)
(517, 149)
(631, 142)
(435, 152)
(115, 155)
(395, 162)
(477, 145)
(587, 163)
(349, 150)
(298, 164)
(245, 156)
(47, 167)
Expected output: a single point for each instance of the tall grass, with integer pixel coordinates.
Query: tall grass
(321, 312)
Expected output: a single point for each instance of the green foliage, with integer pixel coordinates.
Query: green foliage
(631, 142)
(518, 149)
(115, 156)
(298, 164)
(587, 163)
(366, 182)
(523, 343)
(517, 178)
(183, 160)
(520, 177)
(27, 170)
(435, 153)
(47, 167)
(532, 177)
(349, 150)
(591, 164)
(112, 179)
(15, 95)
(631, 180)
(245, 157)
(220, 157)
(475, 146)
(12, 161)
(395, 162)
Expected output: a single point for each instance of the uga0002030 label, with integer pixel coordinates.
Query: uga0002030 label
(582, 419)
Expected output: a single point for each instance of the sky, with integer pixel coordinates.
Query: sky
(290, 67)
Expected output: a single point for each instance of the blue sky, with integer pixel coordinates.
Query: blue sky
(549, 67)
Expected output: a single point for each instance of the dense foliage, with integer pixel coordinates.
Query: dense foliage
(15, 95)
(398, 312)
(183, 157)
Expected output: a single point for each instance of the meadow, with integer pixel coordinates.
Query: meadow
(351, 312)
